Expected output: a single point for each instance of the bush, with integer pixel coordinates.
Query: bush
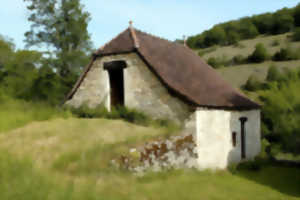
(120, 112)
(238, 59)
(284, 54)
(212, 61)
(252, 84)
(280, 113)
(275, 43)
(218, 62)
(259, 54)
(296, 34)
(273, 74)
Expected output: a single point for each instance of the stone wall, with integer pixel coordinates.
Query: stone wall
(142, 90)
(214, 137)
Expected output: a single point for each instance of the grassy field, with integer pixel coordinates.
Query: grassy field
(71, 159)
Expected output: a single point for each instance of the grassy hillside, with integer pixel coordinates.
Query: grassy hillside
(246, 47)
(238, 75)
(70, 159)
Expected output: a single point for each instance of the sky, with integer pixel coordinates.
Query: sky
(170, 19)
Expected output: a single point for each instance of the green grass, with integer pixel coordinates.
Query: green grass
(17, 113)
(70, 159)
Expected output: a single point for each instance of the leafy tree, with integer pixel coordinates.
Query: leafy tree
(297, 15)
(263, 23)
(6, 54)
(61, 25)
(47, 86)
(20, 73)
(283, 22)
(215, 36)
(247, 29)
(259, 55)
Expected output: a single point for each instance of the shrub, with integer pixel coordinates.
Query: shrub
(120, 112)
(284, 54)
(238, 59)
(253, 83)
(273, 74)
(280, 115)
(296, 34)
(275, 43)
(212, 61)
(259, 54)
(218, 62)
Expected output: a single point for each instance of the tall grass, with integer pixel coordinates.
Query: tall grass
(16, 113)
(21, 181)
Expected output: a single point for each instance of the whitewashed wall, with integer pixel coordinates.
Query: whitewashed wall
(214, 137)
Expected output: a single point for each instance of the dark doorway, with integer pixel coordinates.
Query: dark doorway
(116, 80)
(243, 135)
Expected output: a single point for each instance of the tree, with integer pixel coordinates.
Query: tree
(20, 73)
(60, 25)
(297, 15)
(247, 29)
(215, 36)
(283, 22)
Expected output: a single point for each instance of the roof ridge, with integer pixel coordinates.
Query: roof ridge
(134, 37)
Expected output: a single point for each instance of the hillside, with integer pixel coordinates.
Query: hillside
(70, 159)
(245, 48)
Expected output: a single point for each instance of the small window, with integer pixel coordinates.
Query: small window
(234, 139)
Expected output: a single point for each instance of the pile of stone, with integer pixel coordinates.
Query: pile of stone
(176, 152)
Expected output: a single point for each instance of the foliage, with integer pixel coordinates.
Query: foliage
(296, 34)
(26, 74)
(285, 54)
(120, 112)
(61, 26)
(281, 115)
(273, 74)
(259, 54)
(275, 43)
(252, 83)
(231, 32)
